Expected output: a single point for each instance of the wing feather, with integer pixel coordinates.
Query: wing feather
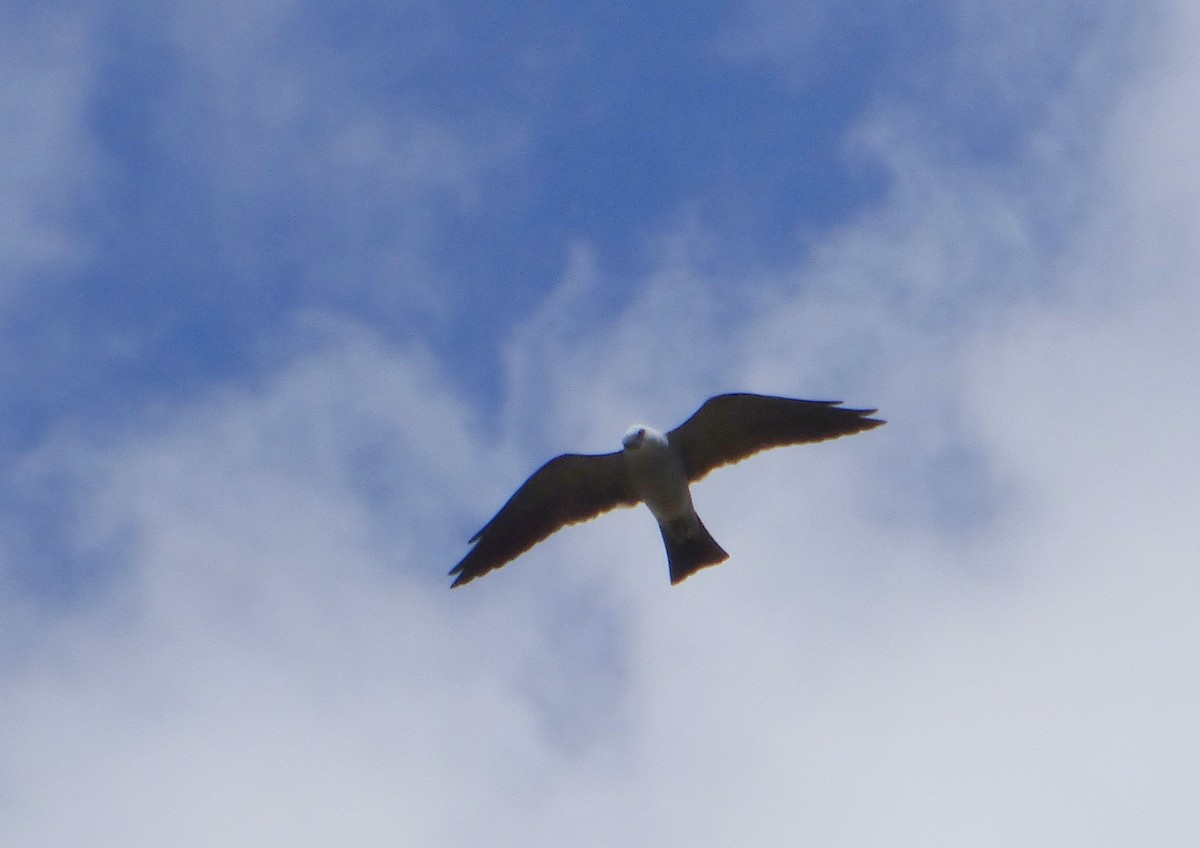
(566, 490)
(729, 428)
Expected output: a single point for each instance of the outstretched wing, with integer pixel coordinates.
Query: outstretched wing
(566, 490)
(729, 428)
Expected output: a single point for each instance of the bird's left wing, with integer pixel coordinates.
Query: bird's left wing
(729, 428)
(566, 490)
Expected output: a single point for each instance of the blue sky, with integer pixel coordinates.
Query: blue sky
(236, 173)
(295, 294)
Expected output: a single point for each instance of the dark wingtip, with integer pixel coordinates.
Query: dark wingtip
(864, 417)
(458, 569)
(462, 576)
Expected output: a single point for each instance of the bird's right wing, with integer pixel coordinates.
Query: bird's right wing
(729, 428)
(566, 490)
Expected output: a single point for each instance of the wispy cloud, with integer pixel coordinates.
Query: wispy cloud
(49, 176)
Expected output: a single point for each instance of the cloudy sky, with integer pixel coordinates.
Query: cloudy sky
(294, 294)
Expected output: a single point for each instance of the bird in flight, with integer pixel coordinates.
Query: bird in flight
(656, 468)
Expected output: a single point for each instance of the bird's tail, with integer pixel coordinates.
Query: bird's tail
(690, 547)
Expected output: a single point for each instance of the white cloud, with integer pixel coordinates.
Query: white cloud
(875, 681)
(277, 660)
(269, 660)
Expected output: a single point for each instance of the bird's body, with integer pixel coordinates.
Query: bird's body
(656, 473)
(656, 469)
(658, 476)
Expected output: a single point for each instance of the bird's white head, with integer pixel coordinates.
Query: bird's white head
(639, 435)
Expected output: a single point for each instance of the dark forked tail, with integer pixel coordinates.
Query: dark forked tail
(690, 547)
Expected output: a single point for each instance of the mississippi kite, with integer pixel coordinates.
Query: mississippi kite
(655, 469)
